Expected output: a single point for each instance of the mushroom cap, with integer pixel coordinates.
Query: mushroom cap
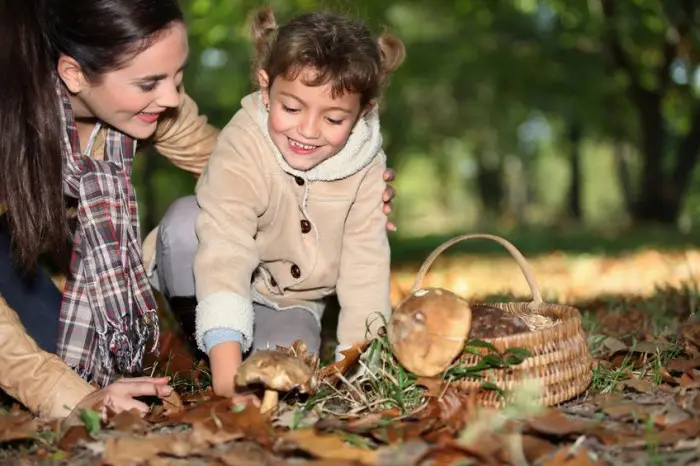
(276, 370)
(428, 330)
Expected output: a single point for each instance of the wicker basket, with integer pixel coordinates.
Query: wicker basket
(560, 359)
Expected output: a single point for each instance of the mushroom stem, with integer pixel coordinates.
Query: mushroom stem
(269, 401)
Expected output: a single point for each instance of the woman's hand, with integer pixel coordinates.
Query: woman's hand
(120, 396)
(389, 193)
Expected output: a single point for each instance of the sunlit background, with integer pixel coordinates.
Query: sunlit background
(569, 125)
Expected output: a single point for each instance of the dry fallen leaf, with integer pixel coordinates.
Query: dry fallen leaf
(73, 437)
(17, 425)
(173, 404)
(666, 377)
(129, 421)
(174, 354)
(565, 457)
(352, 356)
(691, 333)
(357, 425)
(683, 365)
(326, 446)
(626, 411)
(441, 455)
(435, 386)
(687, 381)
(220, 420)
(242, 454)
(128, 451)
(535, 448)
(639, 385)
(555, 423)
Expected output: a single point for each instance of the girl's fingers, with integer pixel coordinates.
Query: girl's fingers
(389, 194)
(389, 174)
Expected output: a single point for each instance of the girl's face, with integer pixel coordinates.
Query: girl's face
(133, 98)
(306, 124)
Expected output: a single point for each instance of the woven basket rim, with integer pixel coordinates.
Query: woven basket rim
(573, 318)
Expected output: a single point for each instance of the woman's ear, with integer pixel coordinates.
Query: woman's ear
(71, 74)
(264, 84)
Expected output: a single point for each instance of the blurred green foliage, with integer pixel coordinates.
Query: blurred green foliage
(507, 114)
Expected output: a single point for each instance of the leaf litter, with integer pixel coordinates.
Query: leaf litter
(643, 407)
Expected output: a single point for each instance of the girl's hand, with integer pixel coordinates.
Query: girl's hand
(389, 193)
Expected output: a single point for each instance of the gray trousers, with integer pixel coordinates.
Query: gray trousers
(175, 250)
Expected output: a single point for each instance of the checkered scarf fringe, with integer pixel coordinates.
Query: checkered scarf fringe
(108, 314)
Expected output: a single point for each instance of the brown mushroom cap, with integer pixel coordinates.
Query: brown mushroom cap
(428, 330)
(276, 370)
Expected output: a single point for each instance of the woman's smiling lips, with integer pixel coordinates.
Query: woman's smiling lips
(148, 118)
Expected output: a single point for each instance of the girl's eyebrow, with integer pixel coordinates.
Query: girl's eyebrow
(161, 76)
(340, 109)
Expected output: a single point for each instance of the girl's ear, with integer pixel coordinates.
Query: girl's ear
(71, 74)
(368, 108)
(264, 84)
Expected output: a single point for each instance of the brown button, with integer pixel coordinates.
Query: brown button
(299, 180)
(305, 226)
(296, 272)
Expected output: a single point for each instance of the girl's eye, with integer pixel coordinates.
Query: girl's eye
(148, 87)
(289, 109)
(334, 122)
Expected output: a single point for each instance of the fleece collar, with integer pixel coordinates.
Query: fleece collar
(363, 144)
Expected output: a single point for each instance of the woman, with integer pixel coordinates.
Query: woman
(77, 95)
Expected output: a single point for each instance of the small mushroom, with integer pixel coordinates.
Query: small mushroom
(276, 371)
(428, 330)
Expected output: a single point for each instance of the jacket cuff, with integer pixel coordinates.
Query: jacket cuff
(68, 390)
(228, 310)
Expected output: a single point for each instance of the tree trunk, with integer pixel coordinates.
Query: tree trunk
(489, 180)
(661, 199)
(574, 135)
(657, 202)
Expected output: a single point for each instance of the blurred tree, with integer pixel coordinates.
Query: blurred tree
(504, 79)
(654, 44)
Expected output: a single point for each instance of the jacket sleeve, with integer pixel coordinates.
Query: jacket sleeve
(363, 281)
(232, 193)
(39, 380)
(186, 138)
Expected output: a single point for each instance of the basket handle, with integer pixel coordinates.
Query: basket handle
(519, 258)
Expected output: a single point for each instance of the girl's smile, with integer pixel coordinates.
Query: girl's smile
(306, 123)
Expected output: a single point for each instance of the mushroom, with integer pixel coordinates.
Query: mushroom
(276, 371)
(428, 330)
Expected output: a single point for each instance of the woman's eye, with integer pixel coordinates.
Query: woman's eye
(334, 122)
(148, 87)
(289, 109)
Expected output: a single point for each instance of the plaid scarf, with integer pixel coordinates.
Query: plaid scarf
(108, 313)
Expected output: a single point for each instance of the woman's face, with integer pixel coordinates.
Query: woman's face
(133, 98)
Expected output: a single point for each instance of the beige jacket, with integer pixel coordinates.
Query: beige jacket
(40, 380)
(298, 236)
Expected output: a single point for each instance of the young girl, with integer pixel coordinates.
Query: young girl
(291, 196)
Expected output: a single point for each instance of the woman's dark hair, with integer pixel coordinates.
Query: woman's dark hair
(102, 36)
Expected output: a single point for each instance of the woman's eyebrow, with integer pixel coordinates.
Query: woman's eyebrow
(161, 76)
